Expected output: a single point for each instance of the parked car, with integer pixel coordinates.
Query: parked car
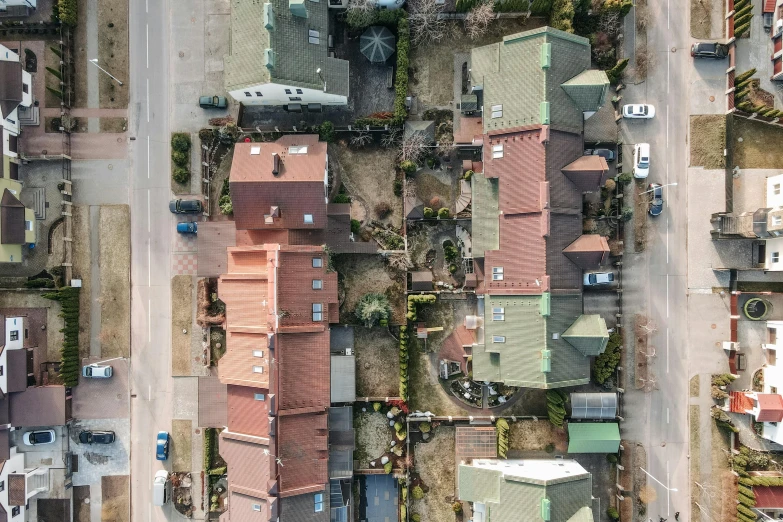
(188, 227)
(599, 278)
(97, 371)
(36, 438)
(185, 206)
(212, 102)
(162, 445)
(639, 110)
(96, 437)
(160, 489)
(656, 203)
(714, 50)
(641, 160)
(607, 154)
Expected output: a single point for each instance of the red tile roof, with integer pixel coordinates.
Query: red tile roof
(245, 413)
(740, 403)
(251, 471)
(770, 407)
(769, 6)
(303, 371)
(295, 290)
(522, 256)
(769, 496)
(304, 450)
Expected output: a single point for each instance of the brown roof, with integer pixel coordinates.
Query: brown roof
(213, 239)
(212, 403)
(563, 273)
(522, 256)
(251, 471)
(470, 131)
(11, 218)
(303, 371)
(421, 280)
(588, 251)
(304, 450)
(5, 445)
(10, 86)
(295, 275)
(245, 413)
(39, 406)
(770, 407)
(240, 508)
(296, 190)
(261, 237)
(17, 370)
(17, 489)
(587, 172)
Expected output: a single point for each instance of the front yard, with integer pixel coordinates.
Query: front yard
(435, 465)
(708, 140)
(360, 274)
(754, 145)
(377, 362)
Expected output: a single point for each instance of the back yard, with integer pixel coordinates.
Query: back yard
(540, 436)
(435, 464)
(754, 145)
(377, 362)
(360, 274)
(373, 435)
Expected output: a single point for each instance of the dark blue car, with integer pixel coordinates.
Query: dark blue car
(162, 446)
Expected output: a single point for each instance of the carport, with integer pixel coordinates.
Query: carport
(378, 498)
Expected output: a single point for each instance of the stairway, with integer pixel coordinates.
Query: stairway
(39, 202)
(38, 482)
(464, 196)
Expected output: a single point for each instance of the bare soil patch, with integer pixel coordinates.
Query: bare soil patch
(435, 463)
(530, 435)
(694, 449)
(115, 493)
(181, 445)
(694, 386)
(434, 192)
(641, 204)
(377, 362)
(114, 233)
(52, 124)
(222, 174)
(373, 436)
(701, 19)
(432, 65)
(181, 319)
(114, 125)
(81, 60)
(708, 140)
(113, 53)
(363, 274)
(81, 509)
(368, 174)
(758, 146)
(81, 270)
(532, 402)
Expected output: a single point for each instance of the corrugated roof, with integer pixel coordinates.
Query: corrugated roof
(478, 484)
(476, 442)
(486, 212)
(593, 405)
(769, 496)
(343, 377)
(593, 437)
(588, 334)
(295, 58)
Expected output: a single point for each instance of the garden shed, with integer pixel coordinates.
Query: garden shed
(593, 437)
(421, 281)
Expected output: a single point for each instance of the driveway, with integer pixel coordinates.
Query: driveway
(45, 455)
(98, 460)
(103, 398)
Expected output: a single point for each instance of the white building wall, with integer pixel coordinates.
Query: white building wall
(14, 324)
(15, 464)
(275, 94)
(773, 259)
(775, 191)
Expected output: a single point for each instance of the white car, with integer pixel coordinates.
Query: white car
(641, 110)
(97, 371)
(36, 438)
(599, 278)
(641, 160)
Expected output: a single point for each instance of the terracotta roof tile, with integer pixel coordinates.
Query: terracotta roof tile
(250, 469)
(304, 450)
(768, 496)
(213, 238)
(212, 403)
(295, 290)
(522, 256)
(241, 508)
(303, 370)
(770, 407)
(246, 414)
(17, 489)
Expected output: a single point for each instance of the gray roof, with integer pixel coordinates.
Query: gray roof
(343, 375)
(426, 127)
(295, 59)
(299, 508)
(486, 212)
(10, 86)
(40, 406)
(528, 74)
(529, 339)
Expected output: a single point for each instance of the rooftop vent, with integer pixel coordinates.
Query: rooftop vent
(275, 164)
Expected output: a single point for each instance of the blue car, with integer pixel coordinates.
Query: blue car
(188, 227)
(162, 446)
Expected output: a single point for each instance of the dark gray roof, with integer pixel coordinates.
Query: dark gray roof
(11, 219)
(425, 127)
(301, 508)
(17, 370)
(10, 86)
(377, 44)
(39, 406)
(343, 378)
(421, 280)
(563, 273)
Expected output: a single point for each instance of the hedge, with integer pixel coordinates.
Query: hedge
(326, 132)
(209, 446)
(741, 85)
(541, 7)
(69, 354)
(739, 31)
(555, 405)
(741, 94)
(501, 426)
(606, 363)
(55, 73)
(745, 10)
(744, 76)
(67, 10)
(180, 141)
(404, 363)
(562, 16)
(414, 301)
(743, 20)
(615, 73)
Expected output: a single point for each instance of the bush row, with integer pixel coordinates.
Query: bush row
(180, 155)
(67, 11)
(606, 363)
(404, 363)
(414, 301)
(616, 73)
(501, 426)
(69, 355)
(555, 406)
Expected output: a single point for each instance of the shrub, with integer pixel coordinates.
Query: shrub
(226, 207)
(56, 92)
(541, 7)
(180, 142)
(562, 15)
(612, 513)
(383, 210)
(179, 158)
(549, 448)
(512, 6)
(457, 507)
(376, 406)
(740, 30)
(742, 20)
(181, 175)
(555, 404)
(444, 213)
(616, 72)
(56, 51)
(742, 11)
(41, 282)
(326, 132)
(742, 85)
(625, 178)
(67, 11)
(401, 76)
(371, 308)
(722, 379)
(501, 427)
(450, 253)
(611, 458)
(402, 434)
(408, 166)
(428, 212)
(387, 467)
(416, 517)
(468, 174)
(718, 394)
(398, 187)
(606, 363)
(55, 73)
(425, 427)
(356, 226)
(417, 493)
(70, 364)
(341, 198)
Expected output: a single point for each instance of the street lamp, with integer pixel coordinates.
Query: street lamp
(667, 185)
(94, 61)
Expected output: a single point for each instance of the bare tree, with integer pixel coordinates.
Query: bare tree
(445, 144)
(361, 11)
(425, 21)
(400, 261)
(391, 138)
(649, 353)
(609, 23)
(478, 19)
(361, 139)
(413, 147)
(646, 326)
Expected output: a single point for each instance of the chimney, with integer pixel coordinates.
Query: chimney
(275, 164)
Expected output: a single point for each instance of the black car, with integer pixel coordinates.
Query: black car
(656, 203)
(606, 154)
(96, 437)
(185, 206)
(713, 50)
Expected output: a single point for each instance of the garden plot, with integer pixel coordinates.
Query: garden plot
(437, 188)
(373, 435)
(363, 274)
(435, 463)
(530, 435)
(377, 362)
(426, 242)
(426, 391)
(754, 144)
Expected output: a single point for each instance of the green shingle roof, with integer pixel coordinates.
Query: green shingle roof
(588, 334)
(528, 335)
(295, 59)
(486, 225)
(588, 89)
(528, 69)
(593, 437)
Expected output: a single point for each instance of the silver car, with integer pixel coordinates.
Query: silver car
(97, 371)
(641, 110)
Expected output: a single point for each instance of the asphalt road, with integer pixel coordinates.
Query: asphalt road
(151, 229)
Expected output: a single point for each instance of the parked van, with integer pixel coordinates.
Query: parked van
(160, 490)
(641, 160)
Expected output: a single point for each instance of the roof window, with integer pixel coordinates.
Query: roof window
(318, 262)
(255, 150)
(498, 338)
(318, 284)
(497, 151)
(314, 37)
(258, 369)
(308, 219)
(297, 149)
(318, 312)
(497, 273)
(258, 353)
(259, 396)
(497, 111)
(498, 313)
(319, 502)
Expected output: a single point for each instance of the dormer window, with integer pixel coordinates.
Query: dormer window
(318, 284)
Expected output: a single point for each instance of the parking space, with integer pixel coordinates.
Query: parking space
(603, 302)
(98, 460)
(44, 455)
(103, 398)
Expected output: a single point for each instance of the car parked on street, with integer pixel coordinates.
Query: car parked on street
(714, 50)
(606, 154)
(212, 102)
(96, 437)
(641, 160)
(36, 438)
(185, 206)
(598, 278)
(638, 111)
(97, 371)
(187, 227)
(656, 203)
(162, 445)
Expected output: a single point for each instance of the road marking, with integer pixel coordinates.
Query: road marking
(148, 46)
(668, 490)
(149, 396)
(149, 212)
(667, 415)
(148, 100)
(667, 125)
(667, 294)
(668, 10)
(149, 320)
(667, 249)
(148, 157)
(146, 6)
(668, 59)
(667, 349)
